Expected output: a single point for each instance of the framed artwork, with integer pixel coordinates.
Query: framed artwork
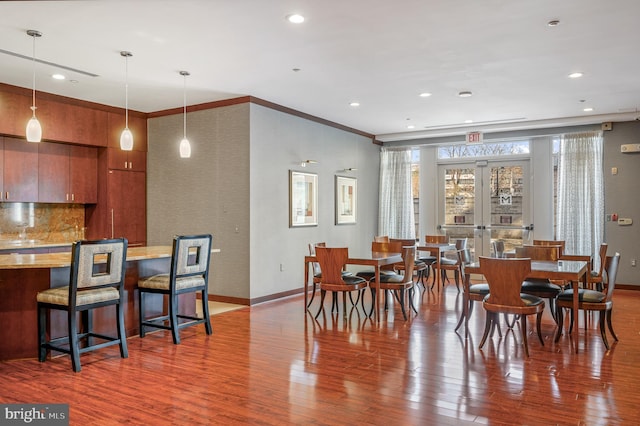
(303, 199)
(346, 200)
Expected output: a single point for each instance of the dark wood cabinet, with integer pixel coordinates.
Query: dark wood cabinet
(20, 170)
(67, 173)
(127, 160)
(127, 205)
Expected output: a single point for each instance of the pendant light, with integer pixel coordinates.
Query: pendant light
(34, 130)
(126, 138)
(185, 146)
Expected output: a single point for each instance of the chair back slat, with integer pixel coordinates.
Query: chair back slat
(539, 252)
(312, 252)
(436, 239)
(505, 277)
(409, 258)
(388, 247)
(611, 271)
(603, 257)
(332, 261)
(98, 263)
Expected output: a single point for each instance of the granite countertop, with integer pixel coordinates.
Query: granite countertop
(30, 244)
(61, 260)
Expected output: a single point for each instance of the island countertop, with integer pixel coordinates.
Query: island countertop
(61, 260)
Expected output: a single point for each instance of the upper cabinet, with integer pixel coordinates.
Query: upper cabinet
(20, 171)
(135, 160)
(67, 173)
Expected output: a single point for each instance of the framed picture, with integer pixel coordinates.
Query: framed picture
(303, 199)
(346, 200)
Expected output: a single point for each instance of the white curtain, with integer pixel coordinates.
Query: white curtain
(580, 202)
(395, 217)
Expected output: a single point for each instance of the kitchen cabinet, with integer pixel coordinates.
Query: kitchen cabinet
(126, 205)
(135, 160)
(127, 160)
(20, 171)
(67, 174)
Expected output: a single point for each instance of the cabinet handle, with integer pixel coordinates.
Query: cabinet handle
(7, 195)
(130, 165)
(67, 197)
(73, 197)
(125, 164)
(112, 224)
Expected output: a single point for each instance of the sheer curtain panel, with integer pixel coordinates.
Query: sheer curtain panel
(395, 217)
(580, 208)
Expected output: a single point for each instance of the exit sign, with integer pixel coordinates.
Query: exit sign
(474, 137)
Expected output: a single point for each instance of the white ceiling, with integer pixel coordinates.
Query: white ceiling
(380, 53)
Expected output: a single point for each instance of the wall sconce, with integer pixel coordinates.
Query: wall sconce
(305, 162)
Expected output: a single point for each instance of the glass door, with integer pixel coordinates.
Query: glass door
(485, 201)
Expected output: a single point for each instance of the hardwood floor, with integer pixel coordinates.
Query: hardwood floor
(271, 364)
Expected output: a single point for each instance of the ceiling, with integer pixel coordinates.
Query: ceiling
(379, 53)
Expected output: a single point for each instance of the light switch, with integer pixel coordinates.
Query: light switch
(614, 170)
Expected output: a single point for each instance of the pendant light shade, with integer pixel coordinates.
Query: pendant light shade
(126, 138)
(185, 146)
(34, 130)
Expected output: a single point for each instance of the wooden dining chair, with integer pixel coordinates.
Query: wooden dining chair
(505, 277)
(477, 291)
(419, 266)
(332, 263)
(401, 285)
(560, 243)
(593, 300)
(447, 264)
(431, 258)
(595, 278)
(317, 271)
(381, 238)
(541, 287)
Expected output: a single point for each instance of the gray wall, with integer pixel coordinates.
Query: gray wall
(236, 186)
(621, 197)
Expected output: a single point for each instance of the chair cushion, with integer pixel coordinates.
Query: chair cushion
(427, 259)
(540, 286)
(368, 275)
(445, 261)
(479, 288)
(161, 282)
(353, 280)
(344, 274)
(392, 278)
(584, 295)
(60, 296)
(528, 299)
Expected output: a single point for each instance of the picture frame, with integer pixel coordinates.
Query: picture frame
(303, 199)
(346, 200)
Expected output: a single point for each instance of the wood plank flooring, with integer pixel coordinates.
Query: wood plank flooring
(272, 365)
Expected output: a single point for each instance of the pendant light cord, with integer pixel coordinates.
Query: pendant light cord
(33, 101)
(126, 92)
(184, 103)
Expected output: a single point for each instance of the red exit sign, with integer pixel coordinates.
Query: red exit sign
(474, 137)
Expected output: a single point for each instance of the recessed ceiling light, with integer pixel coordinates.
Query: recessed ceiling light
(354, 104)
(465, 94)
(589, 109)
(575, 75)
(468, 121)
(411, 126)
(425, 94)
(553, 23)
(58, 77)
(295, 18)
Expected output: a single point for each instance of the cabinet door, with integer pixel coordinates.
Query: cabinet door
(53, 173)
(127, 205)
(118, 159)
(20, 170)
(83, 174)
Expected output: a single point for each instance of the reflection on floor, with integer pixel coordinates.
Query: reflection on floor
(217, 307)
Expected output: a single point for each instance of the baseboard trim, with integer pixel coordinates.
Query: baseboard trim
(250, 302)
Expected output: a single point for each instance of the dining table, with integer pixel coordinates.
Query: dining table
(375, 259)
(438, 249)
(571, 271)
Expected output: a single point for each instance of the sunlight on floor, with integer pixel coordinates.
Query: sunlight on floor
(217, 307)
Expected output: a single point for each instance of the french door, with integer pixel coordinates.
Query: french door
(485, 201)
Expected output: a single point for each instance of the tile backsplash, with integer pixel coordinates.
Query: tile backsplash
(42, 222)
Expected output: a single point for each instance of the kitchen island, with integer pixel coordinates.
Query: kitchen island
(22, 276)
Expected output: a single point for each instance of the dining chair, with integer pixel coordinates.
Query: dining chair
(381, 247)
(476, 291)
(332, 263)
(593, 300)
(560, 243)
(419, 266)
(505, 277)
(96, 280)
(447, 264)
(189, 273)
(317, 271)
(431, 258)
(381, 238)
(401, 285)
(541, 287)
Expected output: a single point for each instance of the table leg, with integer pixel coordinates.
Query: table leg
(465, 303)
(439, 274)
(306, 285)
(377, 291)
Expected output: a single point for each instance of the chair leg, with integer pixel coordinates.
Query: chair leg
(313, 294)
(462, 316)
(571, 323)
(141, 311)
(73, 341)
(538, 328)
(603, 332)
(322, 295)
(411, 297)
(173, 319)
(401, 297)
(42, 330)
(344, 303)
(523, 332)
(456, 275)
(122, 333)
(205, 312)
(560, 316)
(487, 327)
(609, 312)
(334, 301)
